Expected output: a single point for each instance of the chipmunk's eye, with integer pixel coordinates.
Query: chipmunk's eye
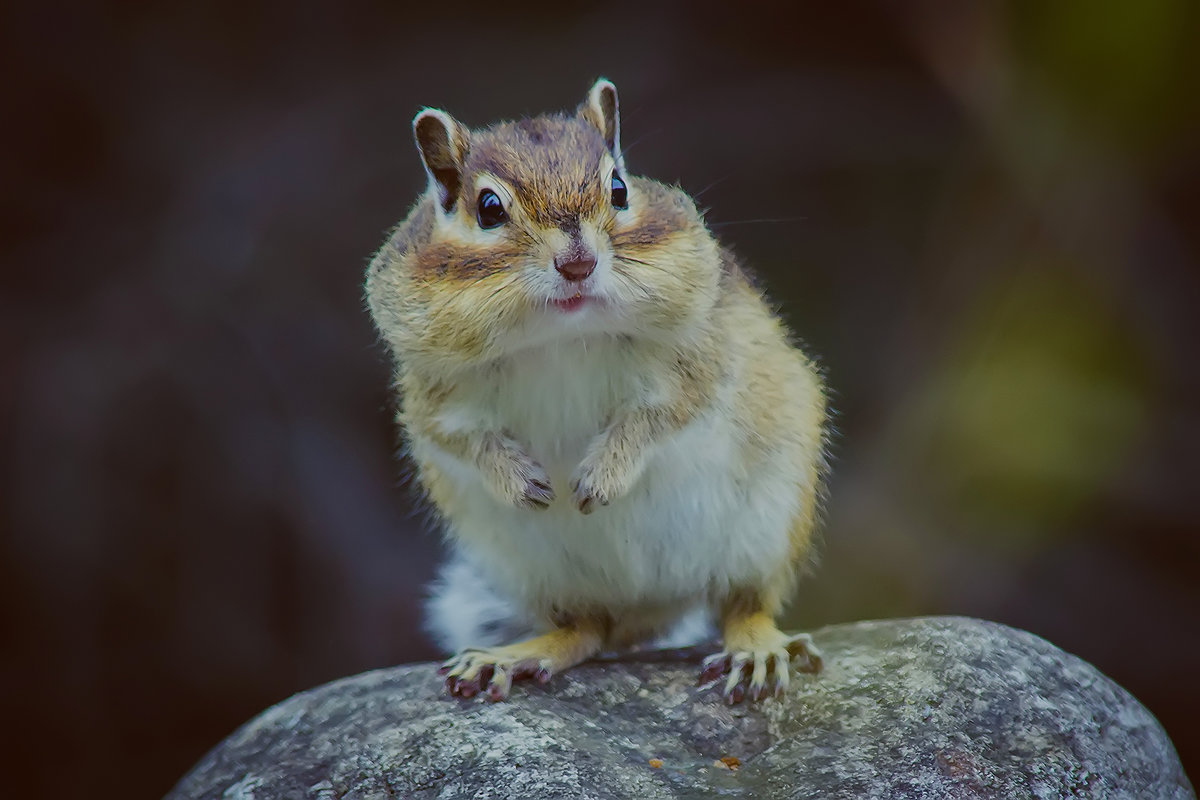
(620, 195)
(490, 210)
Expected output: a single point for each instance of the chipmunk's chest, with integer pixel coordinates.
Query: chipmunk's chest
(556, 398)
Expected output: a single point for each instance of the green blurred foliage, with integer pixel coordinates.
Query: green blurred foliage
(1123, 69)
(1042, 397)
(1025, 446)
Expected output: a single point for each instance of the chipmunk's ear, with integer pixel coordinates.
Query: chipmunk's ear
(601, 110)
(443, 142)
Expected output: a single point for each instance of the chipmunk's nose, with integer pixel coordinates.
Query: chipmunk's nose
(577, 269)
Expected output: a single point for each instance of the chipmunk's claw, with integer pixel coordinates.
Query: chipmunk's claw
(587, 499)
(758, 674)
(537, 494)
(490, 673)
(515, 478)
(714, 667)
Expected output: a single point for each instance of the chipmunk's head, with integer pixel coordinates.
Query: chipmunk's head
(535, 231)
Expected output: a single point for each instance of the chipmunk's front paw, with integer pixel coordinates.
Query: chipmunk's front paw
(536, 492)
(521, 481)
(492, 672)
(757, 673)
(598, 481)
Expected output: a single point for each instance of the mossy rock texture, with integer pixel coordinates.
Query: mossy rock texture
(941, 707)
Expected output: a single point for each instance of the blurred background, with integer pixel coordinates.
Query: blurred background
(990, 236)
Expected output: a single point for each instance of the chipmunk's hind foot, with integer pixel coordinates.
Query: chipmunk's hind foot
(763, 670)
(491, 670)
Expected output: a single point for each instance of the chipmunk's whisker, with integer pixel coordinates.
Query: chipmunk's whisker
(753, 221)
(722, 179)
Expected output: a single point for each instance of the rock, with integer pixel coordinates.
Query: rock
(924, 708)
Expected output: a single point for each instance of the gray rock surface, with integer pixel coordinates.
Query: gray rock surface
(924, 708)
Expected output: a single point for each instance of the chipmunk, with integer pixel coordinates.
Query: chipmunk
(614, 428)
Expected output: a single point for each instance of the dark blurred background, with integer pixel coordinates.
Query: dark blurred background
(991, 235)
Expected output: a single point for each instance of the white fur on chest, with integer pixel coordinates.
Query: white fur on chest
(695, 520)
(554, 400)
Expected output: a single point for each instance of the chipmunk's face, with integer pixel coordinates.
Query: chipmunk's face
(539, 233)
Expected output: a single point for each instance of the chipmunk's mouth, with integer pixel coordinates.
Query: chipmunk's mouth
(572, 303)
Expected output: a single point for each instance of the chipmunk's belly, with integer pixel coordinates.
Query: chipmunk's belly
(696, 520)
